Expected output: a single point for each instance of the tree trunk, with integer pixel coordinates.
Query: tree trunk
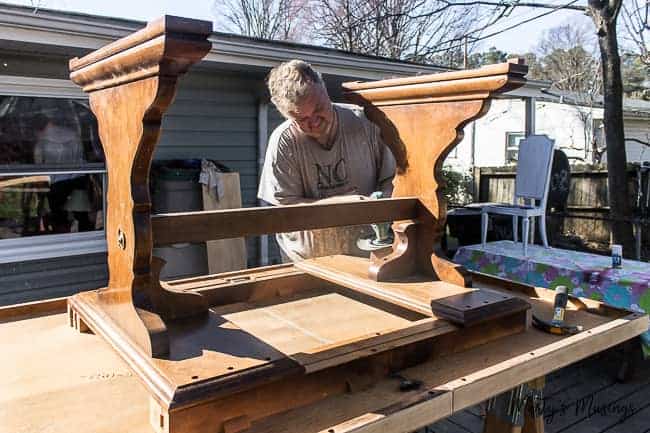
(604, 15)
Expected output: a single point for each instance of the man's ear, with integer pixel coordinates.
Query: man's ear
(325, 92)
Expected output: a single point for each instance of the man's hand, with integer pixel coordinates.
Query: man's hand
(343, 198)
(350, 195)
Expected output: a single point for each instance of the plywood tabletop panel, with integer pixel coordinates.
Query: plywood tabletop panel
(319, 319)
(57, 380)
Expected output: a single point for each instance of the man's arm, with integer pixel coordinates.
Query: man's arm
(335, 199)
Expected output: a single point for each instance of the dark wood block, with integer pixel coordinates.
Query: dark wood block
(477, 306)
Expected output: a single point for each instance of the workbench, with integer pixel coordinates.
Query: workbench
(60, 381)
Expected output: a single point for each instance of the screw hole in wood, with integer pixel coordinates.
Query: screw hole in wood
(121, 239)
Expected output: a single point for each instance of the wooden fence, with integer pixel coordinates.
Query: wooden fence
(586, 204)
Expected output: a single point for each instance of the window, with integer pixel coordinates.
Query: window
(512, 146)
(52, 171)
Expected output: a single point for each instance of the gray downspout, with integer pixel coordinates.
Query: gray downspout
(472, 146)
(530, 117)
(262, 138)
(529, 129)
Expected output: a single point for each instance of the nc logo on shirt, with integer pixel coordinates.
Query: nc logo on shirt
(332, 176)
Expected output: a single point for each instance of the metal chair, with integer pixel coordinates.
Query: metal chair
(531, 190)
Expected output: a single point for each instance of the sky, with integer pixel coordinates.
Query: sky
(519, 40)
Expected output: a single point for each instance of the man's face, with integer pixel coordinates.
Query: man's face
(314, 115)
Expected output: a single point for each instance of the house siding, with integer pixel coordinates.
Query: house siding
(214, 116)
(637, 129)
(569, 125)
(51, 278)
(41, 65)
(275, 119)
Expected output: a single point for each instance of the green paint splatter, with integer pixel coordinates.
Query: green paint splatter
(490, 269)
(476, 255)
(644, 302)
(562, 280)
(540, 268)
(596, 296)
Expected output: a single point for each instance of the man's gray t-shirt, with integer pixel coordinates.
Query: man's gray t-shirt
(298, 169)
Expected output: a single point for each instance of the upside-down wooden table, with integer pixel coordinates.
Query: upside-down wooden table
(323, 344)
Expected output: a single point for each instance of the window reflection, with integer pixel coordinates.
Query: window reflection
(47, 131)
(36, 205)
(52, 173)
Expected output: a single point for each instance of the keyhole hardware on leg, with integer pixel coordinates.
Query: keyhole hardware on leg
(121, 239)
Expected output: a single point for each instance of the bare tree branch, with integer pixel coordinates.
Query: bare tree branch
(268, 19)
(416, 30)
(636, 140)
(518, 24)
(567, 56)
(635, 19)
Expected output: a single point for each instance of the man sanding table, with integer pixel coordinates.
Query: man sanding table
(323, 152)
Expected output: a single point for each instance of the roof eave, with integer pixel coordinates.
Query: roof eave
(90, 32)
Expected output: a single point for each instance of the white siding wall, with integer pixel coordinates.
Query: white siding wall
(505, 115)
(639, 129)
(562, 122)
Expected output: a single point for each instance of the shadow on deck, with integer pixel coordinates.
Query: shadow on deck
(585, 397)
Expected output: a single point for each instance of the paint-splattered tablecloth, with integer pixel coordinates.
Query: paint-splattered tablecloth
(585, 275)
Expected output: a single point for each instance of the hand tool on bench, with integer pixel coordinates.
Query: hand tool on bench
(557, 325)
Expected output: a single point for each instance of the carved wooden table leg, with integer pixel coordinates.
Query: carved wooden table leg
(421, 120)
(131, 83)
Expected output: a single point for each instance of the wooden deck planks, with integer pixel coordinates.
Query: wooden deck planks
(467, 420)
(611, 406)
(617, 408)
(639, 422)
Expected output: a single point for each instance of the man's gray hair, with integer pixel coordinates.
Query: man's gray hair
(290, 82)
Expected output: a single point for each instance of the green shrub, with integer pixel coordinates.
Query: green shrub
(457, 189)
